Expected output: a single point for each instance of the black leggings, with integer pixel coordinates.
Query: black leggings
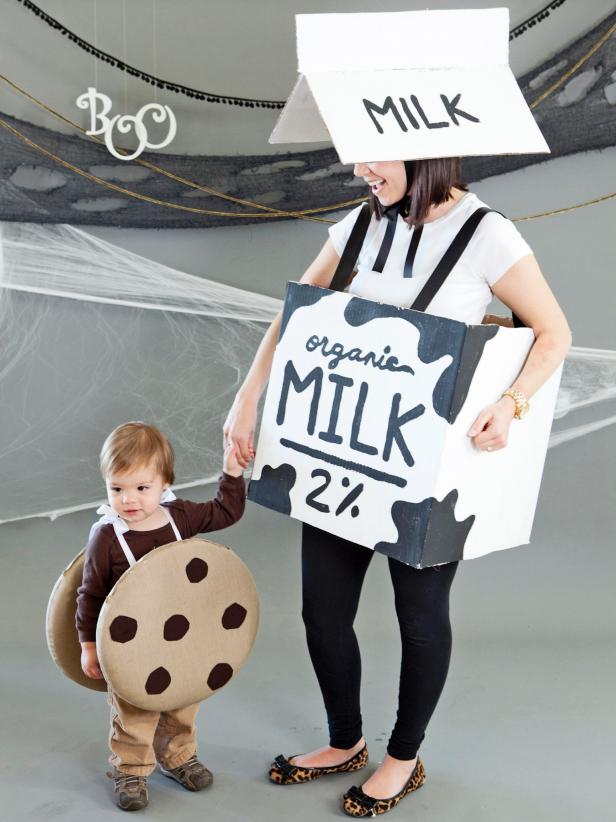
(333, 571)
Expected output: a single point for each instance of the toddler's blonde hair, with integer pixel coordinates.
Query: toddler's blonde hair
(134, 445)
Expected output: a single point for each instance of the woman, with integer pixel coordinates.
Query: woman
(417, 209)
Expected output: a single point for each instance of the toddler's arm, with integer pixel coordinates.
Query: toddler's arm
(228, 505)
(95, 585)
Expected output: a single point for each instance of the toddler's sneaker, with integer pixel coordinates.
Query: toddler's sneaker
(131, 792)
(193, 775)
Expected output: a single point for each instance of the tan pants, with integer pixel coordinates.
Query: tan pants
(138, 738)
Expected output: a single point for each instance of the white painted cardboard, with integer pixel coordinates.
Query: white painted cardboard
(437, 84)
(449, 500)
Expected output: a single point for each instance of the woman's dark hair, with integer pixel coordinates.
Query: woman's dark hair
(431, 182)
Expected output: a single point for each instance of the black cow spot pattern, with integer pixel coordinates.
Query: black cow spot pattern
(196, 570)
(123, 629)
(437, 336)
(158, 681)
(299, 296)
(219, 675)
(428, 532)
(175, 627)
(475, 341)
(273, 489)
(234, 616)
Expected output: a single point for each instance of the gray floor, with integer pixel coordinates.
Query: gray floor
(524, 729)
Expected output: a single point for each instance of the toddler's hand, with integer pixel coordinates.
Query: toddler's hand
(230, 463)
(89, 661)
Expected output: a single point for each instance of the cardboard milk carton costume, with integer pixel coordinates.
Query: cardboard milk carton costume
(364, 429)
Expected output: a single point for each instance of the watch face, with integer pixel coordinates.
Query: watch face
(523, 411)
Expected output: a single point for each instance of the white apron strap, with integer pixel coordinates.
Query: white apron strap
(124, 545)
(178, 536)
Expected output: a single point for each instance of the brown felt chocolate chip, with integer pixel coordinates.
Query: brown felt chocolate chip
(158, 681)
(175, 627)
(234, 616)
(123, 629)
(219, 675)
(196, 570)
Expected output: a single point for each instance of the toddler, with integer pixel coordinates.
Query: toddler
(136, 462)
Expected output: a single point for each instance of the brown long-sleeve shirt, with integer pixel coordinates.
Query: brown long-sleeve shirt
(105, 561)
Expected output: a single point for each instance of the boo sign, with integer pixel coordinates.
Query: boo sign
(364, 429)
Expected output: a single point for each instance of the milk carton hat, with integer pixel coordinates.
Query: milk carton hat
(408, 85)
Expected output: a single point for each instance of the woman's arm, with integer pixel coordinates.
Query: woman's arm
(524, 290)
(242, 418)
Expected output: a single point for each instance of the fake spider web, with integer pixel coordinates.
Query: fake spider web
(92, 335)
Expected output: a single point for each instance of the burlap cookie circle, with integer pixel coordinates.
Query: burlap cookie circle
(178, 625)
(60, 629)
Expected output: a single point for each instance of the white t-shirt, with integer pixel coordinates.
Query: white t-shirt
(495, 246)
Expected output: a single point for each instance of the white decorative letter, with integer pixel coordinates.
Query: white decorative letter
(125, 123)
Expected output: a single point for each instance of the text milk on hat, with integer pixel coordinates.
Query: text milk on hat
(438, 85)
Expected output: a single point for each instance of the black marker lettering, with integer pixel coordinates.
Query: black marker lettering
(291, 376)
(409, 114)
(355, 444)
(396, 422)
(341, 383)
(453, 110)
(422, 114)
(388, 105)
(312, 343)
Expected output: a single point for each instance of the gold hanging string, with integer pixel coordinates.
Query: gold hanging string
(211, 213)
(279, 212)
(206, 189)
(565, 209)
(154, 54)
(95, 46)
(121, 190)
(583, 59)
(270, 212)
(124, 55)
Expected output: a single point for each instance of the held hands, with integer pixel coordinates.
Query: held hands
(239, 429)
(231, 464)
(89, 661)
(490, 430)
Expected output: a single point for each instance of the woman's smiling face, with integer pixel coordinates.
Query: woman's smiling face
(387, 179)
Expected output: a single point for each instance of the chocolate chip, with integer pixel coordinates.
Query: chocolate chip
(219, 675)
(175, 627)
(196, 570)
(158, 681)
(234, 616)
(123, 629)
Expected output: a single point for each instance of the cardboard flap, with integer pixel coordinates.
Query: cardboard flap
(439, 86)
(300, 120)
(402, 39)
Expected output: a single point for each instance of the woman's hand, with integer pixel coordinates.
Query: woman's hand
(89, 661)
(490, 430)
(231, 464)
(239, 428)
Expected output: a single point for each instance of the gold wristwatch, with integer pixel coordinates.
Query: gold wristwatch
(521, 403)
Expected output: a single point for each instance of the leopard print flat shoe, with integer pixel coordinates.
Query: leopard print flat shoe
(282, 772)
(357, 803)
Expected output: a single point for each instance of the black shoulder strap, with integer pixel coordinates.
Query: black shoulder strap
(351, 250)
(439, 275)
(449, 259)
(412, 252)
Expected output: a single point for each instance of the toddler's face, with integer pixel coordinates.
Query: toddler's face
(135, 494)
